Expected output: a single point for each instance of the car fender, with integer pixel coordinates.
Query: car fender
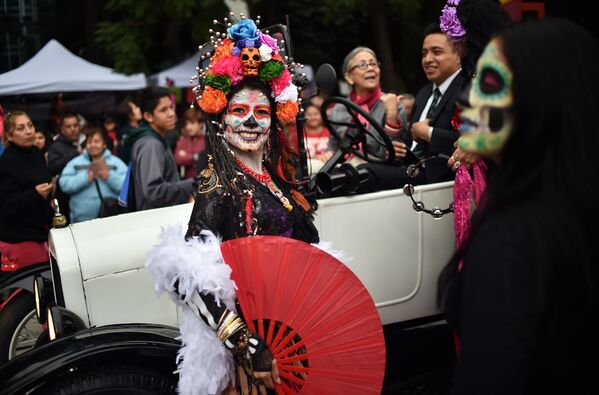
(23, 278)
(152, 346)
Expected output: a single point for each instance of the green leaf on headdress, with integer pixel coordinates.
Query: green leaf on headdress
(270, 70)
(219, 82)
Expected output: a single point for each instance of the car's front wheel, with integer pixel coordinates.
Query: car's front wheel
(19, 328)
(111, 380)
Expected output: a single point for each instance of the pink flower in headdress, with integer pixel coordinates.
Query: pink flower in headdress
(278, 84)
(450, 24)
(231, 67)
(268, 40)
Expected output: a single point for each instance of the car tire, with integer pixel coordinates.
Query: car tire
(18, 326)
(115, 380)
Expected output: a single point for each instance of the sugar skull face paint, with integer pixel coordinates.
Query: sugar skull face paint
(487, 122)
(247, 120)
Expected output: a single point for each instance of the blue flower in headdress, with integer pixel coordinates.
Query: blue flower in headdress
(244, 29)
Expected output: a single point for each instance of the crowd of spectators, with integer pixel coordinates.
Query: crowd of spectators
(163, 155)
(89, 163)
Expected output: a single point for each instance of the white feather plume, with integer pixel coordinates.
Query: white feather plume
(327, 247)
(205, 366)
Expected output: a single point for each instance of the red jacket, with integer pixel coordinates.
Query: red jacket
(186, 153)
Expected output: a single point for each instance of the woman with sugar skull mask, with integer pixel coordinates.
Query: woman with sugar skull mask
(470, 24)
(524, 302)
(247, 189)
(246, 139)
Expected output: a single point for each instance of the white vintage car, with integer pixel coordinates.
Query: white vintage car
(108, 332)
(105, 321)
(396, 253)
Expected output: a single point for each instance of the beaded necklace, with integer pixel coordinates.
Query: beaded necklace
(266, 180)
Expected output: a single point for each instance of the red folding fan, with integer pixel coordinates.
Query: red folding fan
(313, 312)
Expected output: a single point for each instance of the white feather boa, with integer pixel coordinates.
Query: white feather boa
(205, 366)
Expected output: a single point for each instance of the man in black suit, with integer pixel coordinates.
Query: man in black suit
(435, 105)
(432, 113)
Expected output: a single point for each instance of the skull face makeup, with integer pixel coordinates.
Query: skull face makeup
(247, 120)
(251, 61)
(487, 123)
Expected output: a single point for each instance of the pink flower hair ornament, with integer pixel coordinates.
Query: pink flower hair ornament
(450, 23)
(245, 52)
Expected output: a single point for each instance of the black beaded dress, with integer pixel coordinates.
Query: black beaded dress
(216, 211)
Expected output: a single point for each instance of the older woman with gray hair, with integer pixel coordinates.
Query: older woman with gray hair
(361, 70)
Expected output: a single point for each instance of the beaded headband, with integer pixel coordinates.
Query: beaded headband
(450, 23)
(245, 52)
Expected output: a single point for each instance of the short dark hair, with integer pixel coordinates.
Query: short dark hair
(151, 97)
(192, 114)
(433, 28)
(92, 131)
(67, 114)
(123, 112)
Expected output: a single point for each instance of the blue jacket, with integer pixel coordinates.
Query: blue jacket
(85, 202)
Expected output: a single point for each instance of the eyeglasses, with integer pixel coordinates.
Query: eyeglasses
(364, 65)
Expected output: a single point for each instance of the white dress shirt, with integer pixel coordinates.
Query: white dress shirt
(443, 87)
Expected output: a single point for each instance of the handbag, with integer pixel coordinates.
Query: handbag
(108, 206)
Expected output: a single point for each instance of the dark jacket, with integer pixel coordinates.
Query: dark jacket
(122, 135)
(61, 151)
(444, 135)
(524, 319)
(156, 181)
(24, 214)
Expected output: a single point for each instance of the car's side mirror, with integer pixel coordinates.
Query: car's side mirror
(326, 80)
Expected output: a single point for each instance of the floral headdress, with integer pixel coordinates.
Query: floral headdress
(450, 23)
(245, 52)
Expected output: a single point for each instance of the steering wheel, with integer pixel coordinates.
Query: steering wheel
(357, 132)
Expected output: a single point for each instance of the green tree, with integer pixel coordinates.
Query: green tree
(147, 36)
(325, 31)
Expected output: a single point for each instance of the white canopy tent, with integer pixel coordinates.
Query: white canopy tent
(55, 69)
(179, 74)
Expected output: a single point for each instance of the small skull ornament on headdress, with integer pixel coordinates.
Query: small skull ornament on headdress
(246, 52)
(250, 59)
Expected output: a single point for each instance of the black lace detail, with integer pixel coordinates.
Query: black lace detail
(220, 213)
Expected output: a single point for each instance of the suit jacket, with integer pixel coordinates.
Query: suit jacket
(444, 135)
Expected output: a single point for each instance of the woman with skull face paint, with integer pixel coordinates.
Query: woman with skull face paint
(524, 302)
(246, 190)
(470, 24)
(247, 138)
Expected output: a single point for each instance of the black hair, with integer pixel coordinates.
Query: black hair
(123, 112)
(47, 138)
(67, 114)
(151, 97)
(433, 28)
(482, 19)
(92, 131)
(551, 152)
(276, 154)
(307, 104)
(193, 114)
